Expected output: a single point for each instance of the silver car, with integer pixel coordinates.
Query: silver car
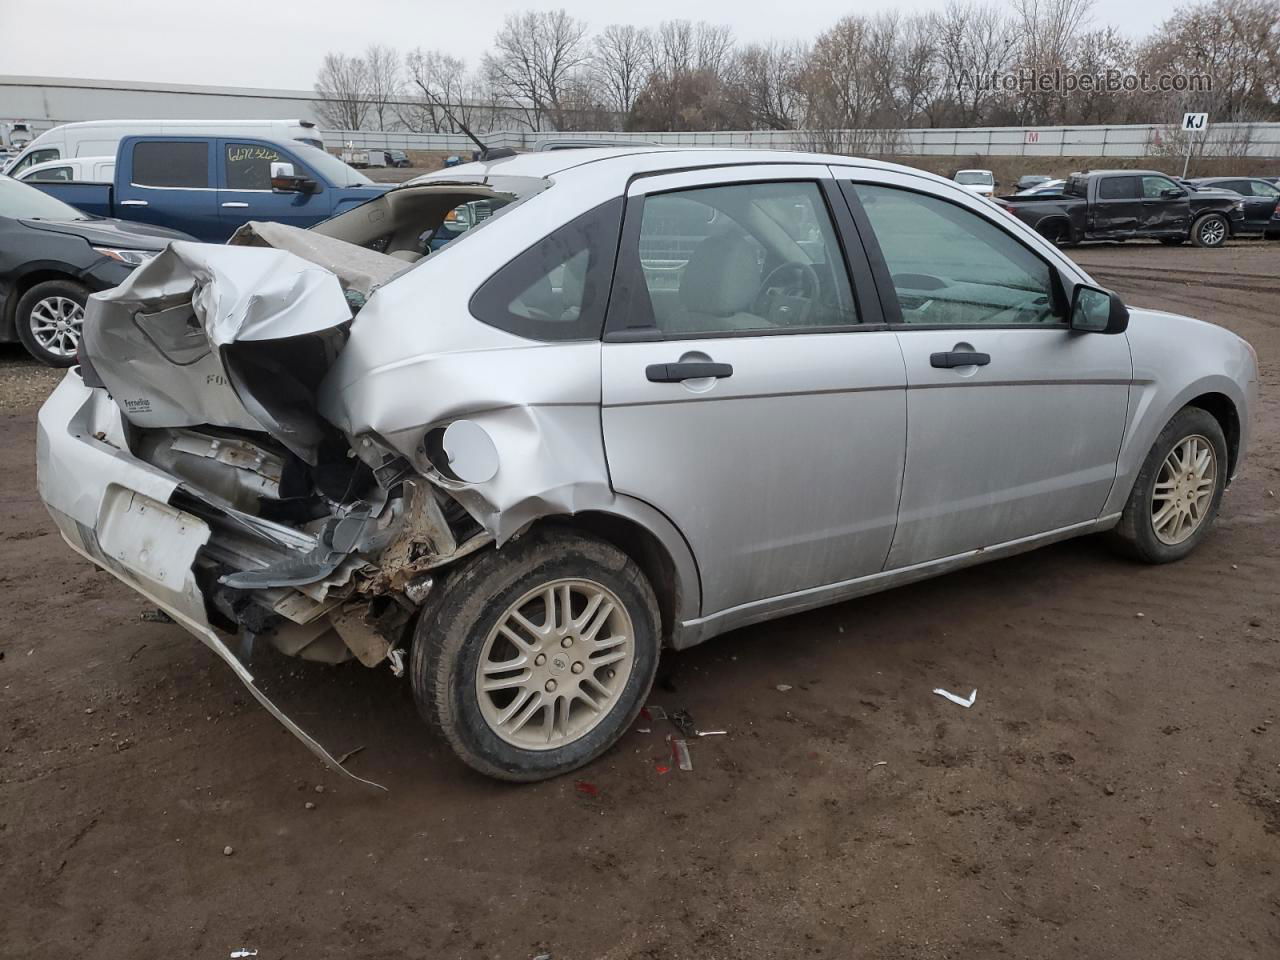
(656, 395)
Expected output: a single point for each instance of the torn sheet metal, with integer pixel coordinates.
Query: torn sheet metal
(169, 343)
(358, 268)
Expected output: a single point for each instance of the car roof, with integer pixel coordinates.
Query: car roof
(638, 161)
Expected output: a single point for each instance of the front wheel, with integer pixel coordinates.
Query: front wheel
(1210, 230)
(537, 656)
(49, 317)
(1179, 489)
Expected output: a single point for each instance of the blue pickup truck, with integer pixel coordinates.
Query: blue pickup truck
(210, 186)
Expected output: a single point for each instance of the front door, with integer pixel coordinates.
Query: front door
(244, 188)
(748, 390)
(1166, 207)
(1013, 421)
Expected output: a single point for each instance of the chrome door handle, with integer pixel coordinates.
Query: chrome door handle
(133, 203)
(235, 203)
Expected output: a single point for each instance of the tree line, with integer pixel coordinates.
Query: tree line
(547, 70)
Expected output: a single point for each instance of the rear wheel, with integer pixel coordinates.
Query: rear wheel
(1179, 489)
(49, 318)
(1058, 232)
(537, 656)
(1210, 230)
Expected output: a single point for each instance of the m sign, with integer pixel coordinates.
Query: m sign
(1195, 122)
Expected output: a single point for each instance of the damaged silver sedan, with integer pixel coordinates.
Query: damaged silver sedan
(653, 395)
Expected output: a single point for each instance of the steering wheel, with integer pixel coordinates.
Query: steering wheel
(788, 294)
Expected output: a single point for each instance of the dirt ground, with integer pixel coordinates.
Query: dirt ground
(1113, 793)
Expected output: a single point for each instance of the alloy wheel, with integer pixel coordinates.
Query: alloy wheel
(1213, 232)
(1184, 490)
(55, 325)
(555, 664)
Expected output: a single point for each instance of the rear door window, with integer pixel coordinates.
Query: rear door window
(171, 163)
(1118, 188)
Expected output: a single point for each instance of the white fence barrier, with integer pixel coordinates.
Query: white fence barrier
(1134, 140)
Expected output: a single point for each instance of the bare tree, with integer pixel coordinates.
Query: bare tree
(443, 92)
(976, 44)
(768, 76)
(1048, 31)
(536, 57)
(383, 64)
(621, 66)
(1235, 43)
(343, 86)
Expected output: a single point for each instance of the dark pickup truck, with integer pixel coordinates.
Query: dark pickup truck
(1128, 205)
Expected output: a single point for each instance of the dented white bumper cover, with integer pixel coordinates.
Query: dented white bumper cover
(113, 509)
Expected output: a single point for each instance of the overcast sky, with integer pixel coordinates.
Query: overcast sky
(279, 43)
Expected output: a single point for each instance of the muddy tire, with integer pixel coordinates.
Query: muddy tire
(536, 657)
(1176, 497)
(48, 319)
(1211, 230)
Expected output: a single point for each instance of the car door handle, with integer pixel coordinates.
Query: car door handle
(133, 203)
(235, 203)
(959, 358)
(687, 370)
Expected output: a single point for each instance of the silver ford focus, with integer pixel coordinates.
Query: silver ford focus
(513, 428)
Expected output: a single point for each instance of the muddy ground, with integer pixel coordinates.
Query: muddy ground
(1113, 793)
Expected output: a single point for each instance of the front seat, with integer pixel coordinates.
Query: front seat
(719, 282)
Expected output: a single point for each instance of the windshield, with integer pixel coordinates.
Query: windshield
(978, 177)
(23, 202)
(329, 166)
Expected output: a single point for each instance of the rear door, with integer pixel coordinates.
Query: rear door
(169, 181)
(244, 187)
(1117, 206)
(749, 391)
(1014, 422)
(1164, 215)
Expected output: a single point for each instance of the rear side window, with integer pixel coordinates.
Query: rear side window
(1118, 188)
(558, 288)
(157, 163)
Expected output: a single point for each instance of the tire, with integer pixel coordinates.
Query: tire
(1173, 241)
(1211, 230)
(40, 312)
(1137, 533)
(459, 633)
(1058, 233)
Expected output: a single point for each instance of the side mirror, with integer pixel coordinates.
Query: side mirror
(1171, 193)
(284, 180)
(1094, 310)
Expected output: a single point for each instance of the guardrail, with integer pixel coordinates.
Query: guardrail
(1130, 140)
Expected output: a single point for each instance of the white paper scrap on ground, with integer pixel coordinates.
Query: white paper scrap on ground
(958, 700)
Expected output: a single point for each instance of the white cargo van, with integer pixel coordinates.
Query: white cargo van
(97, 138)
